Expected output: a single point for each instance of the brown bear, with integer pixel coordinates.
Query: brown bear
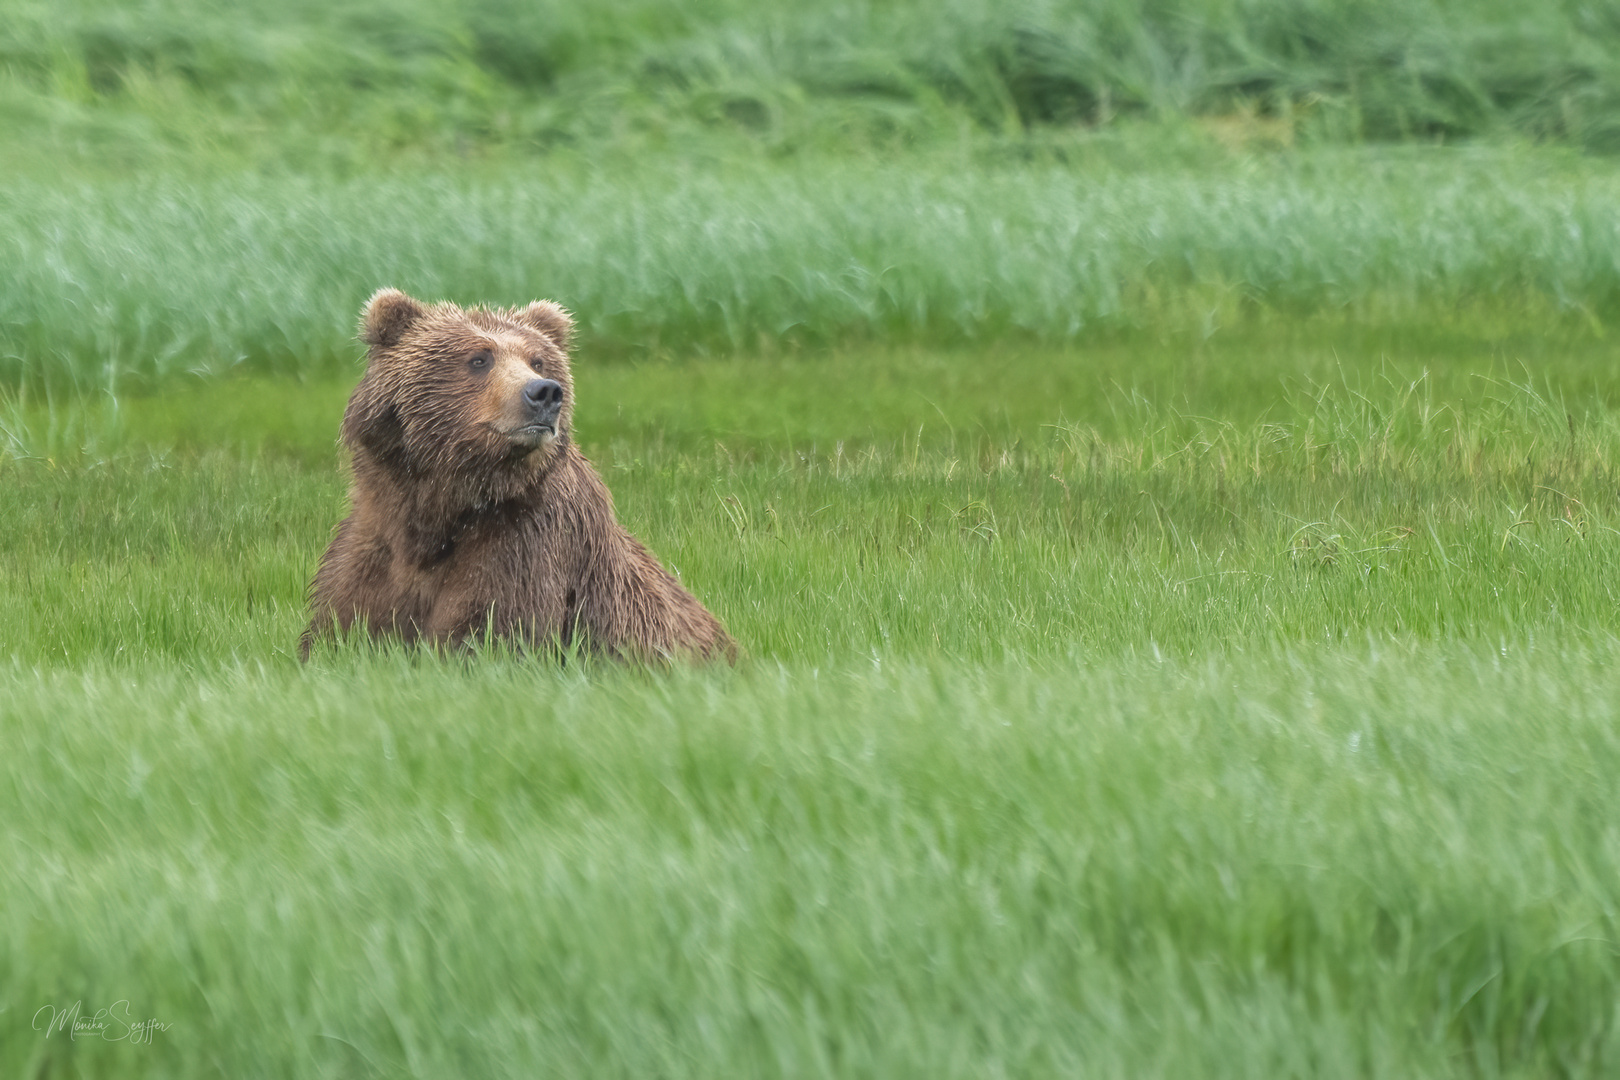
(473, 512)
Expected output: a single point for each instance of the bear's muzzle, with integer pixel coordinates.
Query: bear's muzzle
(541, 405)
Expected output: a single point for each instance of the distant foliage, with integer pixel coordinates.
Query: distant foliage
(551, 72)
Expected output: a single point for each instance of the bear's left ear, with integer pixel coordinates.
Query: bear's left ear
(550, 319)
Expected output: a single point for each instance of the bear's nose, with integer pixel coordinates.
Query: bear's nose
(543, 393)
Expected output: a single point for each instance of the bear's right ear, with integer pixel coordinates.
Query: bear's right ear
(388, 314)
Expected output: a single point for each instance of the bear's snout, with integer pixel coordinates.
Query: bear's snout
(543, 396)
(541, 404)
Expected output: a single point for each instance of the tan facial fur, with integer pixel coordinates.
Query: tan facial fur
(515, 362)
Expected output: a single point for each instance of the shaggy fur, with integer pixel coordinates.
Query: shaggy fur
(473, 512)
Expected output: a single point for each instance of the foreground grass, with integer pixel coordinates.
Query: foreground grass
(1372, 860)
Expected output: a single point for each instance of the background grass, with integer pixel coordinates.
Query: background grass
(1158, 459)
(341, 83)
(148, 278)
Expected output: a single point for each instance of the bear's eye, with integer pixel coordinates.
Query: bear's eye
(536, 363)
(480, 360)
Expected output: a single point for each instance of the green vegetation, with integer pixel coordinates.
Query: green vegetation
(1169, 502)
(1381, 860)
(1366, 506)
(344, 83)
(1141, 740)
(108, 281)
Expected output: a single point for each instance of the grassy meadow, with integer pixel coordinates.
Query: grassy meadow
(144, 278)
(1159, 462)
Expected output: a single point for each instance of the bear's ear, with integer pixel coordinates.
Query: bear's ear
(550, 319)
(388, 314)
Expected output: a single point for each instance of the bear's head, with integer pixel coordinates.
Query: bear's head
(479, 397)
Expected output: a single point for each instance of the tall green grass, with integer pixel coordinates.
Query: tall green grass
(345, 81)
(142, 279)
(1389, 859)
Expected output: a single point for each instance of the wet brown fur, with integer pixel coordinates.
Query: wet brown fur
(457, 530)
